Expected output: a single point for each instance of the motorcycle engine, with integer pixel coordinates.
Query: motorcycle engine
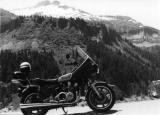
(65, 96)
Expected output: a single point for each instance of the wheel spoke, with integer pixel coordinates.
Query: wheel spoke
(108, 96)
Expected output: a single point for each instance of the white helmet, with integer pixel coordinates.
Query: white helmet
(25, 67)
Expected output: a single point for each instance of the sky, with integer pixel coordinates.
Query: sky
(144, 11)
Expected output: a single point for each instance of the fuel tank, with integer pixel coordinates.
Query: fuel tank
(65, 77)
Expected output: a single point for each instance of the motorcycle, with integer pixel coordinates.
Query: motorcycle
(44, 94)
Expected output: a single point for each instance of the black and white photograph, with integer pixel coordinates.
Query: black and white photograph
(79, 57)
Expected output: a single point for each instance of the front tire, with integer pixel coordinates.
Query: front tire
(105, 103)
(32, 97)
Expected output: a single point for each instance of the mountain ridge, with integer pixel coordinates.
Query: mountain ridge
(123, 24)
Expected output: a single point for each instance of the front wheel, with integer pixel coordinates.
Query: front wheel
(32, 97)
(104, 103)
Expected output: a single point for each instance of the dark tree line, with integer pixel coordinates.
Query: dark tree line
(79, 24)
(13, 24)
(43, 63)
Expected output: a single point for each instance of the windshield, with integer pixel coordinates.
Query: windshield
(87, 64)
(79, 53)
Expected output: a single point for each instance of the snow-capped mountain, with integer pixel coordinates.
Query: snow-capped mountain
(129, 28)
(54, 9)
(6, 16)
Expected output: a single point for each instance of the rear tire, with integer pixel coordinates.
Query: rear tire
(32, 97)
(104, 104)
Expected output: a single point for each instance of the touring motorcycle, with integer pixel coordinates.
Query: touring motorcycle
(40, 95)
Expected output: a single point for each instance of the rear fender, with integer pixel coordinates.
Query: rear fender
(31, 88)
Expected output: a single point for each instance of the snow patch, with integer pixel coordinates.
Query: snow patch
(131, 20)
(146, 44)
(54, 11)
(106, 18)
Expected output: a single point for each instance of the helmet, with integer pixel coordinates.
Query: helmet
(25, 67)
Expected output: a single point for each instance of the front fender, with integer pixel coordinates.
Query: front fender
(104, 83)
(111, 87)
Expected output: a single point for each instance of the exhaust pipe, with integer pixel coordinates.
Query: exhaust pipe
(35, 106)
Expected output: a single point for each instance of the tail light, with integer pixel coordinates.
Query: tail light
(15, 84)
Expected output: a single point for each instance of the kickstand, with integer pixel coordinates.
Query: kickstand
(65, 112)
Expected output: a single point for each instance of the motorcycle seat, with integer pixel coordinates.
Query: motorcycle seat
(46, 81)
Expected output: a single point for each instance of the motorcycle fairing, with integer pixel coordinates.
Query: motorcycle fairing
(85, 69)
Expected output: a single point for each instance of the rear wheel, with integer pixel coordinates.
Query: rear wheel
(103, 104)
(32, 98)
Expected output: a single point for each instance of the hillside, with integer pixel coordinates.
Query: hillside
(137, 33)
(143, 37)
(119, 60)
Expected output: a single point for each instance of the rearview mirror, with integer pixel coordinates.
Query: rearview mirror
(67, 56)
